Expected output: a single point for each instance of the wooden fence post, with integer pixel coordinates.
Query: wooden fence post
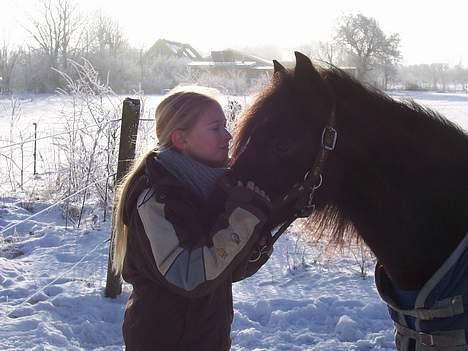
(128, 136)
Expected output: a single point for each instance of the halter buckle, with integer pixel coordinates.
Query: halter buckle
(329, 136)
(426, 339)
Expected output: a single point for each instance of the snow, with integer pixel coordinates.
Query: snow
(346, 329)
(52, 279)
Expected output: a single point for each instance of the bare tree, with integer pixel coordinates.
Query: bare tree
(109, 35)
(434, 76)
(56, 30)
(330, 52)
(363, 37)
(389, 72)
(459, 77)
(103, 36)
(439, 75)
(8, 60)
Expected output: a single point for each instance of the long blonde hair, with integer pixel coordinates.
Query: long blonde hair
(178, 110)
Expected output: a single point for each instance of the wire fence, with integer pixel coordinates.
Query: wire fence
(11, 309)
(17, 158)
(21, 161)
(26, 152)
(13, 225)
(37, 151)
(32, 139)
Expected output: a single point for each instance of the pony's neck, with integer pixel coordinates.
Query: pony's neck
(403, 185)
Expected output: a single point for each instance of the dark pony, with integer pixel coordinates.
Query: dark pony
(398, 177)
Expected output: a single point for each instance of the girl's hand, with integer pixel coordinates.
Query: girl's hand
(251, 185)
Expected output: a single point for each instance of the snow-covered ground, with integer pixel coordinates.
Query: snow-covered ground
(52, 278)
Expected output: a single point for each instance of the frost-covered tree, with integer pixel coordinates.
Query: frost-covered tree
(105, 45)
(56, 30)
(160, 73)
(103, 35)
(459, 76)
(365, 40)
(8, 60)
(330, 52)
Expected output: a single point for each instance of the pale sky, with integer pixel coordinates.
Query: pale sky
(431, 31)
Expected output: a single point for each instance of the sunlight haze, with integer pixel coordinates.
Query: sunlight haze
(430, 31)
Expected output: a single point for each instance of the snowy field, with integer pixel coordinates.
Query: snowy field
(52, 278)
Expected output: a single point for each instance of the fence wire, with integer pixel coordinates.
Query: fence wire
(10, 310)
(13, 225)
(32, 139)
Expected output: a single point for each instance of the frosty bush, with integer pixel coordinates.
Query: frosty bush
(232, 110)
(363, 258)
(161, 73)
(90, 145)
(12, 158)
(229, 82)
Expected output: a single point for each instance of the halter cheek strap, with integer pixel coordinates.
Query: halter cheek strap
(304, 192)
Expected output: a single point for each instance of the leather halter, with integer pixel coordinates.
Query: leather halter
(313, 178)
(304, 192)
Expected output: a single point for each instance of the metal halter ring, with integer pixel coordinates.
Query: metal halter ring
(310, 202)
(316, 186)
(260, 253)
(310, 205)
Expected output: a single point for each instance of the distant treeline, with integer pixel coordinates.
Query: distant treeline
(60, 33)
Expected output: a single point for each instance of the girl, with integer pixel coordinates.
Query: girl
(179, 239)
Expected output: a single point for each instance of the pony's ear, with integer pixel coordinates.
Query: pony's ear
(305, 70)
(308, 80)
(278, 68)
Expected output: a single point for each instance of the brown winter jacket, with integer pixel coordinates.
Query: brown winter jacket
(183, 253)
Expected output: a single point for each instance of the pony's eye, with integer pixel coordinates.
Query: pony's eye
(283, 146)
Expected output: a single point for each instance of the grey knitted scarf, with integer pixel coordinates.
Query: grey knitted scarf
(195, 175)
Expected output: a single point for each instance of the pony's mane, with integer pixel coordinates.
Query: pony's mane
(339, 79)
(330, 222)
(247, 123)
(415, 124)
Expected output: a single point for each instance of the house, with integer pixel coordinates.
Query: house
(233, 62)
(168, 48)
(350, 70)
(227, 69)
(253, 67)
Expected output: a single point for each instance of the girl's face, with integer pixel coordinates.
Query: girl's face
(208, 140)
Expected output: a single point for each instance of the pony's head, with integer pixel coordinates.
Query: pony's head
(395, 166)
(280, 134)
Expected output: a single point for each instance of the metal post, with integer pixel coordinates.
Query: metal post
(22, 166)
(35, 146)
(128, 136)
